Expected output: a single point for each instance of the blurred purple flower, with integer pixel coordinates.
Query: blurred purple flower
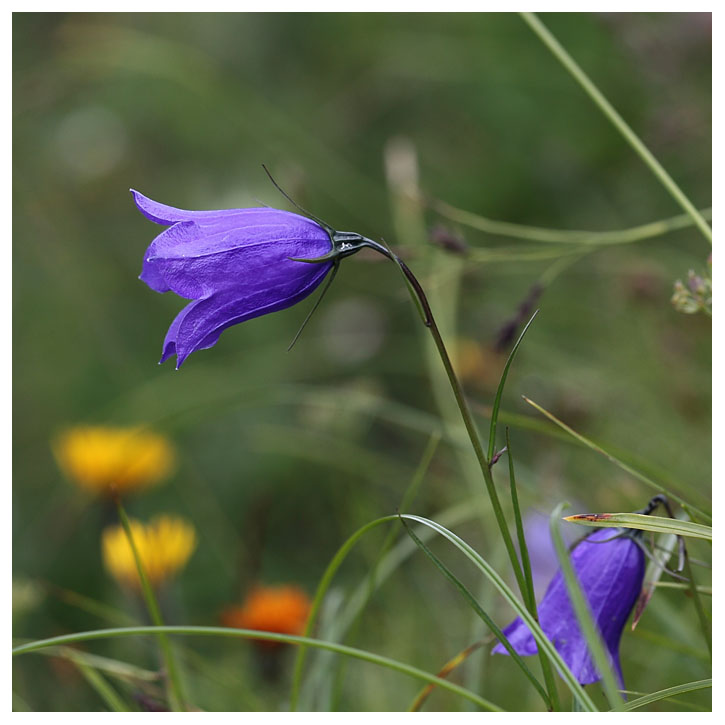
(234, 263)
(610, 572)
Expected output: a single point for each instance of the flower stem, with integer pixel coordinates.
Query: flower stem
(526, 566)
(419, 297)
(175, 690)
(619, 123)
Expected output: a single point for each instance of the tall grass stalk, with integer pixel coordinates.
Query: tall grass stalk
(174, 685)
(619, 123)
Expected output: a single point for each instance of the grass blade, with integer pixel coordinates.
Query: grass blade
(619, 123)
(658, 524)
(259, 634)
(96, 680)
(526, 566)
(617, 462)
(448, 574)
(564, 236)
(664, 694)
(499, 391)
(322, 588)
(520, 608)
(583, 613)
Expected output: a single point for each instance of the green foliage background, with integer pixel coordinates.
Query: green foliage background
(279, 462)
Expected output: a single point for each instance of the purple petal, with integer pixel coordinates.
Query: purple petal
(168, 215)
(194, 262)
(199, 324)
(610, 572)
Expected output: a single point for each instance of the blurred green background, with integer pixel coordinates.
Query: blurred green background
(283, 455)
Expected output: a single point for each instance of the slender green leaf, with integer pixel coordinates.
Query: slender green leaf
(499, 390)
(583, 613)
(564, 236)
(322, 588)
(96, 680)
(619, 123)
(458, 584)
(664, 694)
(258, 634)
(174, 688)
(658, 524)
(617, 462)
(520, 608)
(526, 566)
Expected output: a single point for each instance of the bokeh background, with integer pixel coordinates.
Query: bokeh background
(281, 456)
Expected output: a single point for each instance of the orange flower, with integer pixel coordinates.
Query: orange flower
(282, 609)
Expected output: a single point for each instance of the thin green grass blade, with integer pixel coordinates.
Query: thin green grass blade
(322, 588)
(618, 122)
(471, 600)
(583, 613)
(702, 618)
(258, 634)
(175, 688)
(99, 684)
(526, 566)
(408, 496)
(499, 390)
(565, 236)
(98, 609)
(664, 695)
(658, 524)
(116, 668)
(707, 591)
(519, 607)
(619, 463)
(355, 603)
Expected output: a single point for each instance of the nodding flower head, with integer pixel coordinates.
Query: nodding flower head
(610, 569)
(235, 264)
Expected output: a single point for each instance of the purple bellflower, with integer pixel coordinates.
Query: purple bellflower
(610, 572)
(236, 264)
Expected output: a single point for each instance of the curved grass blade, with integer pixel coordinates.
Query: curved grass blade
(658, 524)
(564, 236)
(356, 602)
(322, 588)
(526, 566)
(258, 634)
(123, 671)
(324, 584)
(520, 608)
(174, 685)
(448, 574)
(583, 613)
(617, 462)
(617, 121)
(707, 591)
(664, 695)
(499, 391)
(96, 680)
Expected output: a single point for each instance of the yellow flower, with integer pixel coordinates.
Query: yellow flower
(282, 609)
(109, 460)
(164, 546)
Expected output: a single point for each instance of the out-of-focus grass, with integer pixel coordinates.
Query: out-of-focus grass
(279, 463)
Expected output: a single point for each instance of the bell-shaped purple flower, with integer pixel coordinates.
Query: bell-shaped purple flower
(610, 572)
(235, 264)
